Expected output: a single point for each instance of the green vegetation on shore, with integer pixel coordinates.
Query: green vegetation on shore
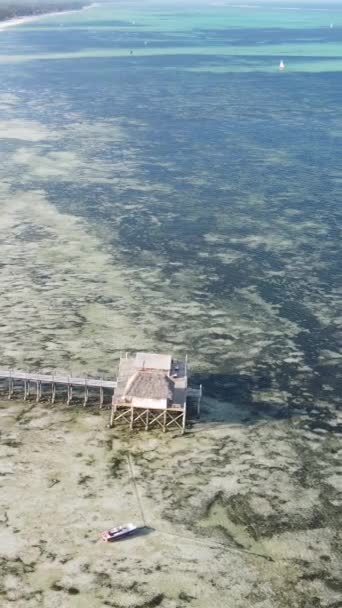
(23, 8)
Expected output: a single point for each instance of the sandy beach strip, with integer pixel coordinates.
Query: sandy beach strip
(28, 18)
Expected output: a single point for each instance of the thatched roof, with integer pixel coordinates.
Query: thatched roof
(149, 385)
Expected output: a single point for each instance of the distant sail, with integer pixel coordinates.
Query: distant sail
(281, 66)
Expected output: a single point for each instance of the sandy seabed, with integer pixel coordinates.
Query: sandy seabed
(239, 512)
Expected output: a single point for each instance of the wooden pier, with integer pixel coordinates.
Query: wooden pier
(151, 390)
(34, 382)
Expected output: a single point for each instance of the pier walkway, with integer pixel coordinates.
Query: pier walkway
(54, 380)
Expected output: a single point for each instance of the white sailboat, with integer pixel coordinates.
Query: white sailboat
(281, 66)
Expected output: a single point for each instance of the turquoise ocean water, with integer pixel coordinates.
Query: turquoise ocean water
(165, 187)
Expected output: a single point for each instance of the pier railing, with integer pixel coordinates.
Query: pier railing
(38, 380)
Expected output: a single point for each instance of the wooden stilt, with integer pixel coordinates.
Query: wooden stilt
(53, 393)
(112, 416)
(10, 387)
(69, 393)
(124, 414)
(36, 381)
(38, 391)
(175, 420)
(199, 401)
(147, 418)
(184, 419)
(85, 393)
(139, 416)
(156, 418)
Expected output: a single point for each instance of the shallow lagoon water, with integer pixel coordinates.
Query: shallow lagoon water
(186, 202)
(184, 198)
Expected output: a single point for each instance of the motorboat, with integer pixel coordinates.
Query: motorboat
(118, 532)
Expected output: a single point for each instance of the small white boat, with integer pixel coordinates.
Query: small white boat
(118, 532)
(281, 66)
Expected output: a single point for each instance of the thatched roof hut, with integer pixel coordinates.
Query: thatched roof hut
(149, 385)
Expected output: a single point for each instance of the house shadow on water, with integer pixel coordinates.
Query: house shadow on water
(248, 400)
(236, 399)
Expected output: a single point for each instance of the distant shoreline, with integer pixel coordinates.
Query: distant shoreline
(21, 19)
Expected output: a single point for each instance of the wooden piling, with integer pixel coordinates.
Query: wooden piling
(184, 419)
(85, 393)
(37, 380)
(69, 393)
(10, 387)
(53, 392)
(199, 401)
(38, 391)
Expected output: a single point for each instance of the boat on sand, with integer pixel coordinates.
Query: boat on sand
(118, 532)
